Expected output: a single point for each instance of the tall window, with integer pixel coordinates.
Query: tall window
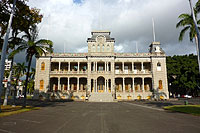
(103, 47)
(108, 48)
(93, 48)
(160, 85)
(41, 84)
(42, 66)
(98, 48)
(158, 66)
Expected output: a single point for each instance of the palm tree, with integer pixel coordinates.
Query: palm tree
(20, 70)
(33, 47)
(186, 21)
(198, 6)
(30, 86)
(13, 42)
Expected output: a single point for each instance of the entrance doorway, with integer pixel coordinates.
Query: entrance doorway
(101, 84)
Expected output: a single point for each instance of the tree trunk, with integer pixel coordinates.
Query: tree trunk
(196, 40)
(3, 53)
(26, 83)
(14, 98)
(8, 84)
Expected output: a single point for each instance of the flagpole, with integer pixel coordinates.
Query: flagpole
(197, 31)
(3, 53)
(154, 35)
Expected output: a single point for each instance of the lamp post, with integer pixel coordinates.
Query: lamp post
(3, 53)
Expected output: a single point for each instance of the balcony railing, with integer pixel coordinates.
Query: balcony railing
(132, 72)
(101, 72)
(68, 72)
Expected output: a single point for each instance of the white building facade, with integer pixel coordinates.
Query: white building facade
(101, 71)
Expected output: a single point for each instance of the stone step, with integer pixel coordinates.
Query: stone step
(100, 97)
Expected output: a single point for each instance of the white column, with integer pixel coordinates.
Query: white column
(68, 84)
(123, 67)
(78, 84)
(105, 88)
(59, 66)
(142, 66)
(105, 66)
(68, 66)
(133, 86)
(96, 66)
(93, 85)
(96, 86)
(78, 66)
(132, 66)
(93, 66)
(142, 84)
(113, 84)
(123, 84)
(59, 83)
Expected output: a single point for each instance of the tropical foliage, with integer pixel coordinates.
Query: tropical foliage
(33, 47)
(183, 75)
(19, 71)
(24, 19)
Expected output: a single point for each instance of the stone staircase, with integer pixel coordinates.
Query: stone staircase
(101, 97)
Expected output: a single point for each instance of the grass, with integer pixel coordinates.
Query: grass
(3, 97)
(189, 109)
(9, 110)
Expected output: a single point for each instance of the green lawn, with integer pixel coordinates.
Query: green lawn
(189, 109)
(9, 110)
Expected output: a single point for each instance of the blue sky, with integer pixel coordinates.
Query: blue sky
(77, 1)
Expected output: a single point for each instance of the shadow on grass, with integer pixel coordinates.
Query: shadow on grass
(159, 104)
(189, 109)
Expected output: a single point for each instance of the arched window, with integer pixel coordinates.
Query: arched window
(158, 66)
(98, 48)
(41, 84)
(160, 85)
(108, 48)
(42, 66)
(103, 47)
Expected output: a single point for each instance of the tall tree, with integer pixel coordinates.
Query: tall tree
(23, 19)
(19, 71)
(33, 47)
(183, 75)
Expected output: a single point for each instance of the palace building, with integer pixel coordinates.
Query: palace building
(101, 74)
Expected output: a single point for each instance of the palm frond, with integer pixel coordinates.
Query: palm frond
(182, 33)
(45, 42)
(192, 33)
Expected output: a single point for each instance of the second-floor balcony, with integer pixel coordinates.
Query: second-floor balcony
(132, 72)
(68, 72)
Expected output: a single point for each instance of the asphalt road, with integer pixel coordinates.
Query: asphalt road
(80, 117)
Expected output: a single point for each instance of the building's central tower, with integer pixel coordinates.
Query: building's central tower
(101, 44)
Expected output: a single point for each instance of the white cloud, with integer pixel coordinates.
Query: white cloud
(119, 48)
(66, 22)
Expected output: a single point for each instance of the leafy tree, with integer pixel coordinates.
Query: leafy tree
(24, 19)
(183, 75)
(30, 86)
(33, 47)
(187, 22)
(19, 71)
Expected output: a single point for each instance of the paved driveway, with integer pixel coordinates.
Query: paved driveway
(80, 117)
